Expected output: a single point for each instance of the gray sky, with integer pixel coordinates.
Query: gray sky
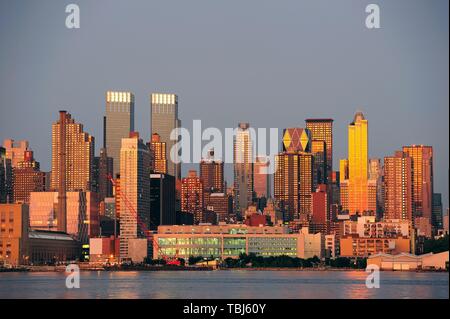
(272, 63)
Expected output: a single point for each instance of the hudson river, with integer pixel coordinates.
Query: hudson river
(225, 284)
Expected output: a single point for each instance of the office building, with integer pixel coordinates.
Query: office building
(262, 177)
(219, 203)
(6, 178)
(243, 168)
(437, 213)
(322, 130)
(15, 150)
(119, 122)
(102, 172)
(158, 154)
(164, 119)
(162, 200)
(134, 192)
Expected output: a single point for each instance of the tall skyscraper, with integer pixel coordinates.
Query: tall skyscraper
(243, 168)
(211, 173)
(164, 119)
(119, 123)
(134, 191)
(162, 200)
(398, 187)
(159, 154)
(293, 183)
(27, 178)
(102, 171)
(358, 201)
(322, 130)
(15, 150)
(78, 153)
(192, 196)
(422, 163)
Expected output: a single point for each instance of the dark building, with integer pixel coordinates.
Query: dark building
(211, 173)
(184, 218)
(220, 203)
(6, 178)
(162, 200)
(437, 221)
(102, 170)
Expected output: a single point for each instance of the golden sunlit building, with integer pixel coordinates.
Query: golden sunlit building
(192, 196)
(358, 200)
(322, 130)
(211, 173)
(158, 153)
(15, 150)
(79, 153)
(422, 177)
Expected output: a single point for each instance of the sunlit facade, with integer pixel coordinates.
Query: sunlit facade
(192, 193)
(164, 119)
(158, 154)
(322, 130)
(79, 154)
(211, 173)
(15, 150)
(119, 123)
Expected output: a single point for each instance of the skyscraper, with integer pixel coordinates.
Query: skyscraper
(398, 187)
(192, 199)
(376, 176)
(293, 183)
(164, 119)
(27, 178)
(318, 150)
(103, 170)
(159, 154)
(119, 123)
(134, 191)
(6, 178)
(437, 214)
(162, 200)
(15, 150)
(211, 173)
(78, 153)
(322, 130)
(358, 191)
(422, 171)
(243, 168)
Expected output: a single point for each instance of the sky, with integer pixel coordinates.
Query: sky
(270, 63)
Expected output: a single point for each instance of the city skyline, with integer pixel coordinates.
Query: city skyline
(287, 82)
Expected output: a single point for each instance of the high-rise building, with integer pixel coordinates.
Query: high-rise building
(6, 178)
(134, 191)
(102, 171)
(162, 200)
(164, 119)
(243, 168)
(376, 176)
(211, 173)
(159, 154)
(293, 183)
(27, 178)
(15, 150)
(322, 130)
(296, 139)
(319, 206)
(422, 175)
(358, 201)
(398, 187)
(437, 213)
(78, 153)
(119, 123)
(192, 196)
(262, 177)
(318, 150)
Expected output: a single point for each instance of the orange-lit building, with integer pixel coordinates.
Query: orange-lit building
(220, 203)
(354, 246)
(322, 130)
(13, 233)
(79, 154)
(27, 178)
(15, 150)
(261, 177)
(192, 195)
(158, 153)
(398, 187)
(422, 177)
(293, 183)
(211, 173)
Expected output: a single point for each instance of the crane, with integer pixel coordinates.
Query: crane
(169, 260)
